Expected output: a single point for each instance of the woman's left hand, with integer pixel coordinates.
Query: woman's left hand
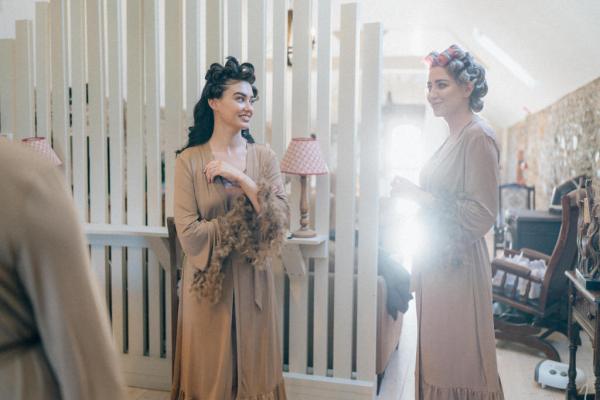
(221, 168)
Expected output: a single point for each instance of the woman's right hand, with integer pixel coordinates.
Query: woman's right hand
(221, 168)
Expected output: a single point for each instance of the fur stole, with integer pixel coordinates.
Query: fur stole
(256, 236)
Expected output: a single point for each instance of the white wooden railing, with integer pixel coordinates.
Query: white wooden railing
(110, 136)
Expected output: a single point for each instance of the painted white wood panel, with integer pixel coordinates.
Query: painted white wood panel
(170, 330)
(153, 165)
(42, 64)
(173, 93)
(135, 172)
(115, 67)
(60, 104)
(154, 345)
(215, 29)
(97, 132)
(194, 38)
(135, 301)
(118, 297)
(345, 192)
(79, 129)
(323, 130)
(24, 80)
(301, 76)
(257, 49)
(135, 114)
(152, 113)
(98, 261)
(97, 113)
(369, 136)
(300, 128)
(115, 111)
(279, 113)
(235, 26)
(279, 121)
(7, 86)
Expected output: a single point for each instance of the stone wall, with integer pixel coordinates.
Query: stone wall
(560, 141)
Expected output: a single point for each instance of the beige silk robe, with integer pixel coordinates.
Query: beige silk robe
(220, 355)
(456, 353)
(55, 340)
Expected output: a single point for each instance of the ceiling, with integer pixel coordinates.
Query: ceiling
(554, 41)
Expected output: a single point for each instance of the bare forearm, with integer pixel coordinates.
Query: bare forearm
(250, 190)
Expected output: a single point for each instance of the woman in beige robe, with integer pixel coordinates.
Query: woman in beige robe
(55, 339)
(230, 214)
(456, 354)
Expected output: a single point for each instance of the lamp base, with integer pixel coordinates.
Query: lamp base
(304, 233)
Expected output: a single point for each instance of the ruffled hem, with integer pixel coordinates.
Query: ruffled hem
(432, 392)
(276, 394)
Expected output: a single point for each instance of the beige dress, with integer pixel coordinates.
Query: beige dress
(55, 340)
(230, 349)
(456, 352)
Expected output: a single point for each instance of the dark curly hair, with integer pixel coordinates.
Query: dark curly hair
(218, 77)
(461, 65)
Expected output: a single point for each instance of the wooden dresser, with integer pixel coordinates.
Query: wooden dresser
(534, 229)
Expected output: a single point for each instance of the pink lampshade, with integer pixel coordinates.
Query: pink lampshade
(303, 157)
(41, 146)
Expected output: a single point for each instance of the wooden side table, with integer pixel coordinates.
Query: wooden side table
(584, 305)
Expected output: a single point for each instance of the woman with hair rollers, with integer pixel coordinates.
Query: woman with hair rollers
(458, 194)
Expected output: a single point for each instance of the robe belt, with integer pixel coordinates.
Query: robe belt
(258, 288)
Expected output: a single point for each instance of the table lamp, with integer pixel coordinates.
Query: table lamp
(41, 146)
(303, 157)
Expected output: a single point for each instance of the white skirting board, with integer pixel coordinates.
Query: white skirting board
(155, 374)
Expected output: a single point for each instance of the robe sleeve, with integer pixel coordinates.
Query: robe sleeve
(69, 310)
(276, 205)
(470, 214)
(197, 235)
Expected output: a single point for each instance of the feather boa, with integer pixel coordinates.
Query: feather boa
(256, 236)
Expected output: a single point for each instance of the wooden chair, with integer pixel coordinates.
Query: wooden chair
(539, 318)
(176, 255)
